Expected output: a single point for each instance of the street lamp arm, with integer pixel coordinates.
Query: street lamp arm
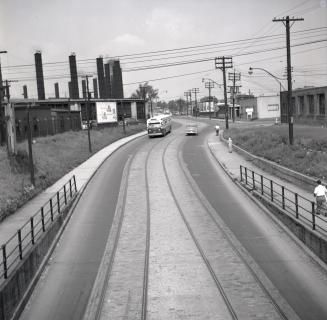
(276, 78)
(212, 81)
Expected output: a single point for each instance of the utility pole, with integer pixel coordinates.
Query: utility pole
(209, 85)
(234, 89)
(30, 150)
(2, 113)
(190, 96)
(87, 104)
(196, 91)
(186, 94)
(286, 22)
(224, 63)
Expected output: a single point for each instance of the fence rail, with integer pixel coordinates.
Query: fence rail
(19, 244)
(298, 206)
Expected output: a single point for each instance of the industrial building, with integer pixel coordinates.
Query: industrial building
(308, 105)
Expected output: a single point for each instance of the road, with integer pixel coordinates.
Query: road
(189, 244)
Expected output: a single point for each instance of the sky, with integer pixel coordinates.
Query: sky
(147, 34)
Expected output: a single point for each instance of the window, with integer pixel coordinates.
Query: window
(321, 102)
(301, 105)
(311, 104)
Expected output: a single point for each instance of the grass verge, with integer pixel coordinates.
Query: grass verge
(307, 155)
(54, 156)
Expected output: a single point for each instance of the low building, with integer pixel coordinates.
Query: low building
(308, 105)
(262, 107)
(53, 116)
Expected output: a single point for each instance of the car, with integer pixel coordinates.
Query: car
(191, 129)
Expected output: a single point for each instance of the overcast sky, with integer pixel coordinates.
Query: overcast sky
(127, 27)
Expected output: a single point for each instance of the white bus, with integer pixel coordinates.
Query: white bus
(159, 125)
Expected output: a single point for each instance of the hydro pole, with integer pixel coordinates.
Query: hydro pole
(223, 63)
(286, 22)
(209, 85)
(234, 89)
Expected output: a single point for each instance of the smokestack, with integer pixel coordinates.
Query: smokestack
(107, 79)
(102, 85)
(39, 75)
(56, 85)
(70, 89)
(117, 80)
(95, 88)
(84, 88)
(73, 76)
(25, 95)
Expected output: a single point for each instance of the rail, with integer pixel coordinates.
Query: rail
(298, 206)
(19, 244)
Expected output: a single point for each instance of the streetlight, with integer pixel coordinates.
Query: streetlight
(276, 78)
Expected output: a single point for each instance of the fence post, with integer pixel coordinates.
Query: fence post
(271, 191)
(296, 206)
(241, 173)
(32, 229)
(246, 175)
(283, 197)
(253, 180)
(20, 247)
(58, 202)
(261, 176)
(51, 209)
(75, 183)
(65, 196)
(70, 188)
(42, 218)
(4, 256)
(313, 215)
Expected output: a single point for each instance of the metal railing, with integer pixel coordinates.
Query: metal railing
(298, 206)
(20, 243)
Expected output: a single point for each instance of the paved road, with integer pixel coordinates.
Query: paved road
(175, 256)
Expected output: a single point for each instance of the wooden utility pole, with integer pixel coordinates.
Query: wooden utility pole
(224, 63)
(234, 89)
(87, 104)
(195, 91)
(30, 150)
(286, 22)
(209, 85)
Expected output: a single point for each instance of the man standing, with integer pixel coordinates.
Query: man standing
(217, 130)
(320, 194)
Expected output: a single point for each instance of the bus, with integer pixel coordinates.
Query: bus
(159, 125)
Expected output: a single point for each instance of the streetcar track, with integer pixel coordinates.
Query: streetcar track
(148, 233)
(101, 282)
(201, 251)
(229, 236)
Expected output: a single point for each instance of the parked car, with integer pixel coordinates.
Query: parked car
(191, 129)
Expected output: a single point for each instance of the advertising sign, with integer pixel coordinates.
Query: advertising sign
(106, 112)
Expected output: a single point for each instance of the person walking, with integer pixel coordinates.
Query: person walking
(320, 193)
(217, 129)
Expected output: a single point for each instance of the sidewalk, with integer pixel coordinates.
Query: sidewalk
(83, 173)
(231, 162)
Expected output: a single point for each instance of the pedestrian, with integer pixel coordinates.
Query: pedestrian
(217, 129)
(320, 195)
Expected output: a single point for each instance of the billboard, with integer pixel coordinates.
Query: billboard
(106, 112)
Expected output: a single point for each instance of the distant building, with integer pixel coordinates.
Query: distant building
(308, 104)
(262, 107)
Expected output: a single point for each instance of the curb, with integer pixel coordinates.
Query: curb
(20, 307)
(268, 213)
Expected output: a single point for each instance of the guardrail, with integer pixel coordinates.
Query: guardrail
(14, 250)
(298, 206)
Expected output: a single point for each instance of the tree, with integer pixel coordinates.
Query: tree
(145, 91)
